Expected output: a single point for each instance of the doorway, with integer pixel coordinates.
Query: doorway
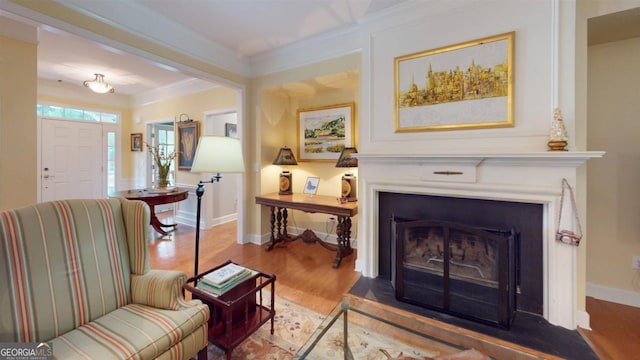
(221, 200)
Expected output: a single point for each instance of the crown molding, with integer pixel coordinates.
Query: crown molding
(181, 88)
(141, 21)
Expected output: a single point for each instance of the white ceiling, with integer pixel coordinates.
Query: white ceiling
(248, 28)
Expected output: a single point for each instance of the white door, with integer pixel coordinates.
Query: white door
(71, 160)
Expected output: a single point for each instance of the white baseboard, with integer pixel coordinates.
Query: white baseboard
(625, 297)
(583, 320)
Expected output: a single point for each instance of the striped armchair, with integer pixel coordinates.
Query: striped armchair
(77, 276)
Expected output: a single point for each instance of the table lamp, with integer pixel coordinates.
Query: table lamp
(349, 181)
(286, 158)
(214, 154)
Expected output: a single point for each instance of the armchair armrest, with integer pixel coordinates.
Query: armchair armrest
(161, 289)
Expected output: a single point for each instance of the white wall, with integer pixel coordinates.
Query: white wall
(222, 205)
(434, 25)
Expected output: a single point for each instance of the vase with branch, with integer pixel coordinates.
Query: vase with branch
(163, 160)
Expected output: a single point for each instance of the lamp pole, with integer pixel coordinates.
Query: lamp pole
(199, 193)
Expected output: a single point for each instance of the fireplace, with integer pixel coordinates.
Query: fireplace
(555, 286)
(469, 262)
(461, 270)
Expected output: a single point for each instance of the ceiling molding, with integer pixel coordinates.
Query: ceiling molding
(311, 50)
(181, 88)
(139, 20)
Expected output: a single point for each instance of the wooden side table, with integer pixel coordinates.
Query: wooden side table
(239, 312)
(156, 197)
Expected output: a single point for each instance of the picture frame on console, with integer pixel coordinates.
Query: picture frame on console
(463, 86)
(188, 136)
(311, 185)
(324, 131)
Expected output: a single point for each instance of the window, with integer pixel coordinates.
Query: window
(79, 114)
(111, 162)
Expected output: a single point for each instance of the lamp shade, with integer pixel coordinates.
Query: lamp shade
(218, 154)
(346, 160)
(285, 157)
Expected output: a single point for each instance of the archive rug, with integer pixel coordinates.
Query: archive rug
(295, 324)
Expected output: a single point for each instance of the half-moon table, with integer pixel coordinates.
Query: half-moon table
(155, 197)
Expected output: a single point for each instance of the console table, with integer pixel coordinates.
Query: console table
(155, 197)
(310, 204)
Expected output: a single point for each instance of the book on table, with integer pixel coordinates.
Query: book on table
(228, 277)
(224, 274)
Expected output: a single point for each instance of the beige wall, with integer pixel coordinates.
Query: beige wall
(18, 122)
(614, 181)
(277, 124)
(195, 105)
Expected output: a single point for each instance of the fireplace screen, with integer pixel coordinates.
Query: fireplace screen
(459, 269)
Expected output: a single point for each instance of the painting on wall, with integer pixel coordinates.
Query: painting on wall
(230, 130)
(188, 136)
(324, 131)
(462, 86)
(136, 142)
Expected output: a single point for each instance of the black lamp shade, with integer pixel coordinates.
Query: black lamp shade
(346, 160)
(285, 157)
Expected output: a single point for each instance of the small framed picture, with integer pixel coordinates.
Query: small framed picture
(230, 130)
(136, 142)
(311, 186)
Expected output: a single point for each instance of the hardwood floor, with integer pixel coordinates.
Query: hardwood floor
(303, 272)
(305, 276)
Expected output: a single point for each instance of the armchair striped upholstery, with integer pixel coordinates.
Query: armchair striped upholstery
(77, 274)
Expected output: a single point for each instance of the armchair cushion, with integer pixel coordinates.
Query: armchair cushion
(135, 332)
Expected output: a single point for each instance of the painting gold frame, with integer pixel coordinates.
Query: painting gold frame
(462, 86)
(188, 136)
(324, 131)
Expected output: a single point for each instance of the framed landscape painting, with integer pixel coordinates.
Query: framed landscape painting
(461, 86)
(324, 131)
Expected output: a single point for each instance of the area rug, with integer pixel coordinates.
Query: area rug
(295, 324)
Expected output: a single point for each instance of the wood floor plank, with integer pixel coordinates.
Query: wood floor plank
(304, 273)
(305, 276)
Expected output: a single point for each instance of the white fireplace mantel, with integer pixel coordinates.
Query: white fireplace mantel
(550, 158)
(533, 177)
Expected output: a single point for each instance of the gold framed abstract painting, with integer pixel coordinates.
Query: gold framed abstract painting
(462, 86)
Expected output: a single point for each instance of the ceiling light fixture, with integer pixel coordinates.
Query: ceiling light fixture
(99, 85)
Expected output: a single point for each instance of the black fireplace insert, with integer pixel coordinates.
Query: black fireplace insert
(459, 269)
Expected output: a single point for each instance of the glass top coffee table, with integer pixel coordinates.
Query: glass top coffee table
(362, 329)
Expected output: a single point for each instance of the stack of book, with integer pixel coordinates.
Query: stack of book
(224, 279)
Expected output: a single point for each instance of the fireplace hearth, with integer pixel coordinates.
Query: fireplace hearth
(458, 269)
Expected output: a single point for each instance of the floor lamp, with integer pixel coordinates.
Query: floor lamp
(216, 155)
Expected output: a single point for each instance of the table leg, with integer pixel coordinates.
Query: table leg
(278, 226)
(343, 233)
(156, 224)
